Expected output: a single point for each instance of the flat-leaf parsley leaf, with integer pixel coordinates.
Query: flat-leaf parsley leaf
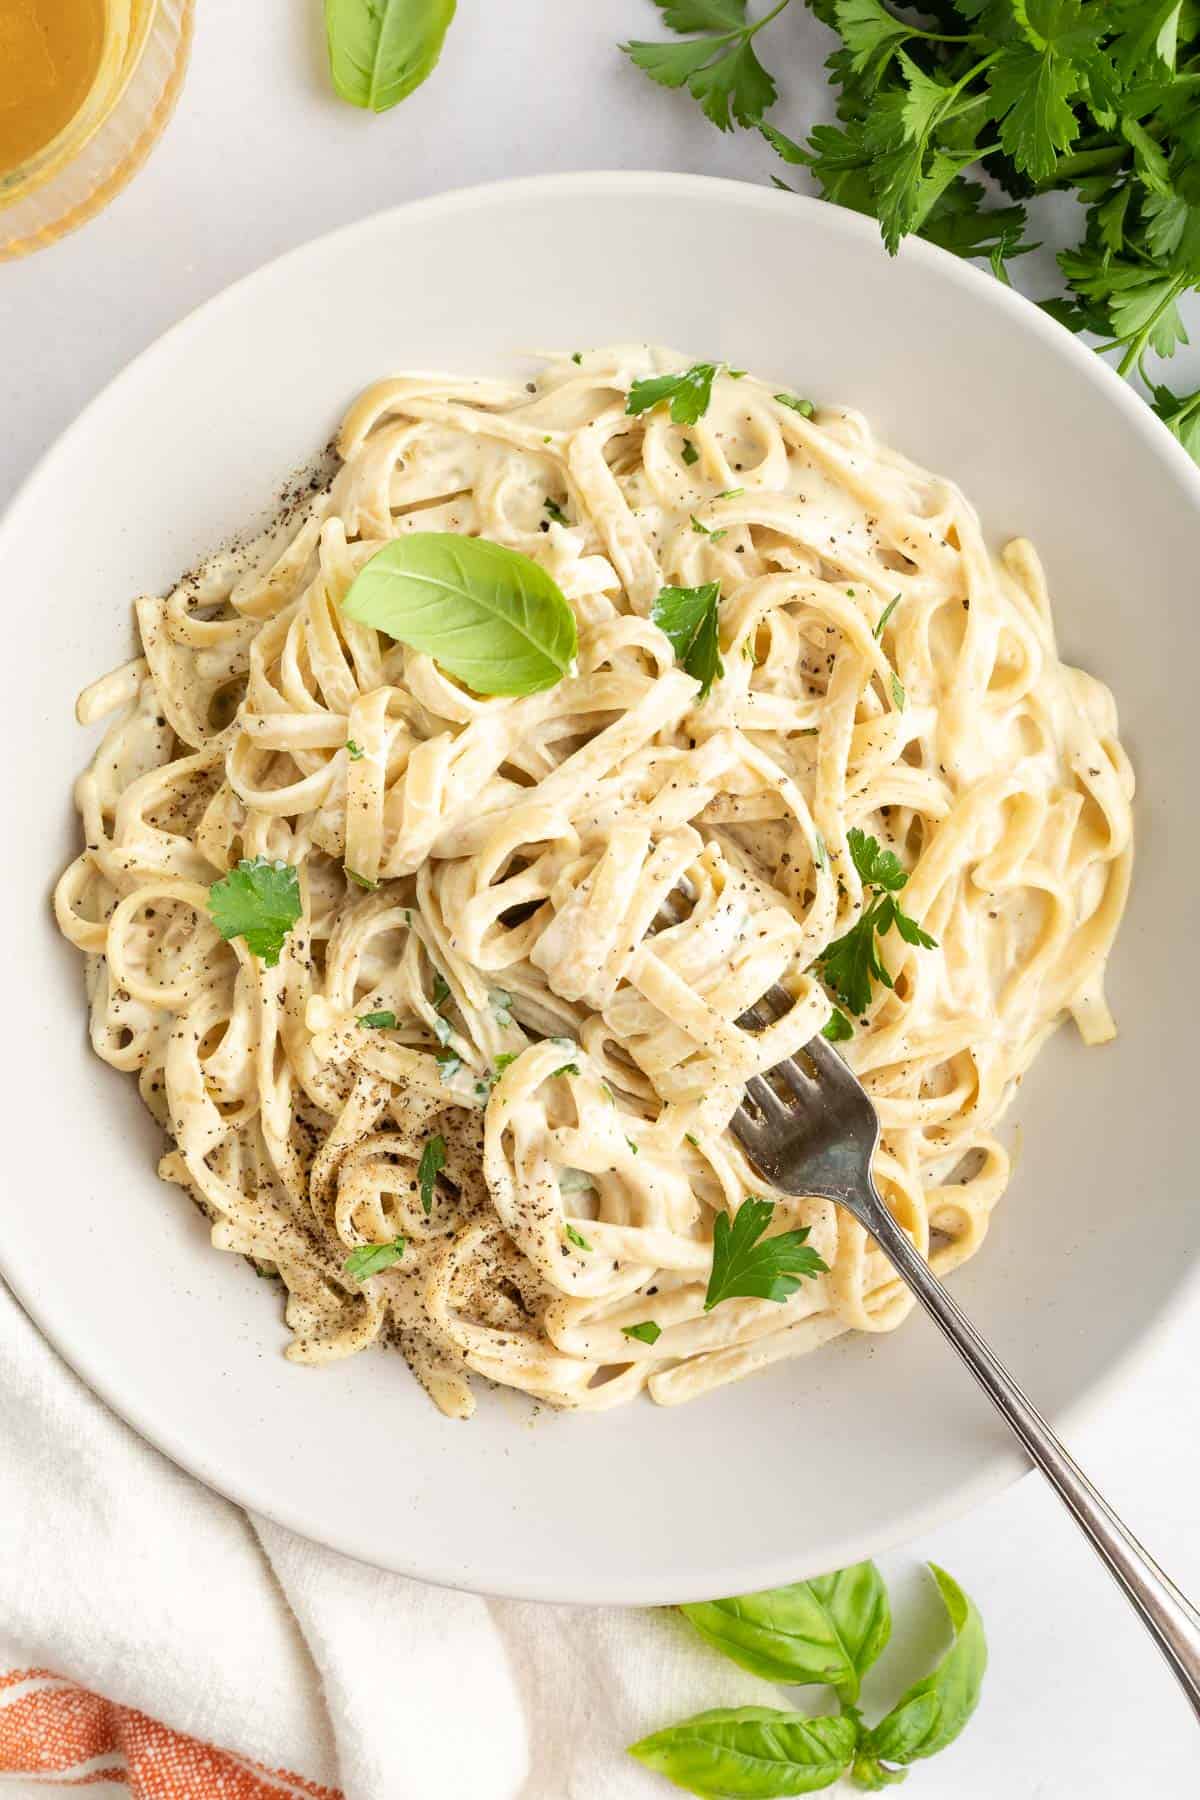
(747, 1265)
(259, 901)
(689, 618)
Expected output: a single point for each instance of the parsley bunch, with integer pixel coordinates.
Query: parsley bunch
(1097, 97)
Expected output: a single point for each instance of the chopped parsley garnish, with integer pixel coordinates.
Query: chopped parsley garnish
(379, 1021)
(259, 902)
(442, 1029)
(645, 1333)
(441, 988)
(504, 1059)
(689, 618)
(362, 881)
(898, 695)
(820, 853)
(632, 1145)
(577, 356)
(501, 1004)
(848, 964)
(804, 407)
(577, 1238)
(689, 1137)
(353, 751)
(369, 1259)
(886, 614)
(567, 1069)
(730, 493)
(433, 1159)
(743, 1267)
(689, 393)
(837, 1027)
(689, 452)
(714, 537)
(556, 512)
(448, 1062)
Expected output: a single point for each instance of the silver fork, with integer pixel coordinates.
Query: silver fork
(819, 1141)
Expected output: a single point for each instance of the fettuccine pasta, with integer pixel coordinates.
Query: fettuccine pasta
(578, 1057)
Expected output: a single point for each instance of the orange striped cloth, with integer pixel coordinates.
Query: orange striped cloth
(60, 1736)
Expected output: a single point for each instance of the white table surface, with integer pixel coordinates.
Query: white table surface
(261, 157)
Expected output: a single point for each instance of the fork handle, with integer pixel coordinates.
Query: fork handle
(1172, 1621)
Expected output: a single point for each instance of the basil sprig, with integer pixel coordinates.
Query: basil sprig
(380, 50)
(486, 614)
(828, 1630)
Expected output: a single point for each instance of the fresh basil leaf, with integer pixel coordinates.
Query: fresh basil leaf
(828, 1630)
(742, 1267)
(369, 1259)
(433, 1160)
(645, 1333)
(933, 1712)
(751, 1751)
(486, 614)
(380, 50)
(259, 901)
(379, 1021)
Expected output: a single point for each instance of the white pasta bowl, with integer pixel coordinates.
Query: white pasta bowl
(817, 1462)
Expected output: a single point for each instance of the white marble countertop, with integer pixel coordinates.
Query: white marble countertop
(261, 157)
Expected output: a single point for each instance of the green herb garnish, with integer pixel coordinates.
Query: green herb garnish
(449, 1063)
(848, 964)
(886, 614)
(361, 880)
(805, 407)
(689, 618)
(378, 1021)
(504, 1059)
(567, 1069)
(689, 453)
(577, 1238)
(746, 1265)
(259, 902)
(441, 988)
(689, 393)
(837, 1027)
(645, 1333)
(486, 614)
(353, 751)
(556, 512)
(433, 1159)
(369, 1259)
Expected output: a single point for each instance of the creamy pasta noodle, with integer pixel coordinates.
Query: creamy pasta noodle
(497, 974)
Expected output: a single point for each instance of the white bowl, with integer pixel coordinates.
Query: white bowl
(818, 1462)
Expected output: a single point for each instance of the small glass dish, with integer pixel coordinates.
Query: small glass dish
(78, 172)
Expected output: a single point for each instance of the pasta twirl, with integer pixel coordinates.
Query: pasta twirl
(579, 1058)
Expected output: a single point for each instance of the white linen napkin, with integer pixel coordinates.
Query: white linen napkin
(125, 1576)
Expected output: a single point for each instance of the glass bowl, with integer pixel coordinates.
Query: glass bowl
(78, 172)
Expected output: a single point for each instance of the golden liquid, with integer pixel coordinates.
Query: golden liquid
(49, 56)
